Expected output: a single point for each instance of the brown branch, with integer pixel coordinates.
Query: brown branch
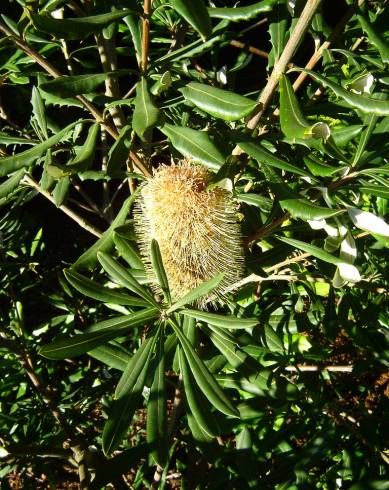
(251, 49)
(146, 34)
(280, 67)
(74, 216)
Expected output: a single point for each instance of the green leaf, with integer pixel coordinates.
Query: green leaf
(319, 168)
(256, 200)
(38, 109)
(229, 322)
(373, 190)
(85, 155)
(156, 427)
(11, 183)
(197, 402)
(61, 190)
(273, 341)
(194, 144)
(6, 139)
(317, 252)
(196, 14)
(74, 28)
(218, 102)
(242, 13)
(119, 152)
(113, 355)
(134, 24)
(258, 152)
(124, 407)
(292, 120)
(26, 158)
(228, 346)
(201, 291)
(71, 85)
(375, 37)
(304, 209)
(105, 243)
(127, 251)
(364, 104)
(134, 367)
(99, 333)
(124, 277)
(157, 263)
(146, 113)
(94, 290)
(204, 378)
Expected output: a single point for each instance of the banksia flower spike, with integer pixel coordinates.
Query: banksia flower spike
(196, 229)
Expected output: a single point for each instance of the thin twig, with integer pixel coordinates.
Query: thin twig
(74, 216)
(280, 67)
(251, 49)
(49, 68)
(146, 34)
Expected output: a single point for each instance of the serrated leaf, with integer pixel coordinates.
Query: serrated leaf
(26, 158)
(196, 14)
(99, 333)
(124, 277)
(194, 144)
(304, 209)
(256, 151)
(11, 183)
(105, 243)
(71, 85)
(242, 13)
(156, 427)
(119, 152)
(229, 322)
(204, 378)
(74, 28)
(364, 104)
(201, 291)
(219, 103)
(146, 113)
(38, 109)
(94, 290)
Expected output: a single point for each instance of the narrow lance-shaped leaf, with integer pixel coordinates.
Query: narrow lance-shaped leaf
(11, 183)
(304, 209)
(113, 355)
(218, 102)
(124, 407)
(365, 104)
(203, 290)
(101, 332)
(71, 85)
(94, 290)
(194, 144)
(293, 122)
(242, 13)
(204, 378)
(123, 277)
(263, 156)
(198, 404)
(156, 428)
(375, 37)
(39, 112)
(105, 242)
(157, 263)
(26, 158)
(146, 113)
(85, 155)
(74, 28)
(196, 14)
(127, 251)
(229, 322)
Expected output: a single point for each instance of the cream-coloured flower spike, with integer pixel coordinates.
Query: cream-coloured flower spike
(196, 229)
